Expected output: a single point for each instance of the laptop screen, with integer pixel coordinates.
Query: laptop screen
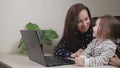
(32, 44)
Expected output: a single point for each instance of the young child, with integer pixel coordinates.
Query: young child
(103, 47)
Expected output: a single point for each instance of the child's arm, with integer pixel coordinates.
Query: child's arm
(107, 53)
(85, 54)
(88, 51)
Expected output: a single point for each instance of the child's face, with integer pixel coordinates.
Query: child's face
(95, 28)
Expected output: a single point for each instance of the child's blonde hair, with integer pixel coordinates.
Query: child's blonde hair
(109, 27)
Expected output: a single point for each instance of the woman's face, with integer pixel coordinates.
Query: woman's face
(84, 21)
(95, 28)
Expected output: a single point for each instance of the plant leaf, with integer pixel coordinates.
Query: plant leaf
(51, 34)
(22, 45)
(31, 26)
(46, 40)
(45, 36)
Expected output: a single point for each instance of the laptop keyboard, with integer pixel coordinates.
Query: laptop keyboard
(51, 60)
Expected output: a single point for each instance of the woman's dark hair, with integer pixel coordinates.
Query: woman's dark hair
(70, 28)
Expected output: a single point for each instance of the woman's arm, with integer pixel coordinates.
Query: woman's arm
(115, 61)
(60, 50)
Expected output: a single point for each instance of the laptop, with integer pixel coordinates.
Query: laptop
(35, 51)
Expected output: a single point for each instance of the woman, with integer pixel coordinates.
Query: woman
(77, 32)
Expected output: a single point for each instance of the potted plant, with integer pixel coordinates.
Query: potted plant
(46, 36)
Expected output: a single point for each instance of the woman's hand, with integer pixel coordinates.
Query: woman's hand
(76, 54)
(115, 61)
(79, 61)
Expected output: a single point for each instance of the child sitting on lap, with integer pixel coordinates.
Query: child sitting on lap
(103, 47)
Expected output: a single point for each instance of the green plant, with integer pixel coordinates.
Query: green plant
(45, 36)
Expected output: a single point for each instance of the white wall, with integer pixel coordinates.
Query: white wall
(14, 14)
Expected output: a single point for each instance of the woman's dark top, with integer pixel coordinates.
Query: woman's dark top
(83, 39)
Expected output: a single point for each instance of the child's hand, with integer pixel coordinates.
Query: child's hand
(79, 61)
(76, 54)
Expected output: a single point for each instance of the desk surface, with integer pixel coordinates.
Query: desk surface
(22, 61)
